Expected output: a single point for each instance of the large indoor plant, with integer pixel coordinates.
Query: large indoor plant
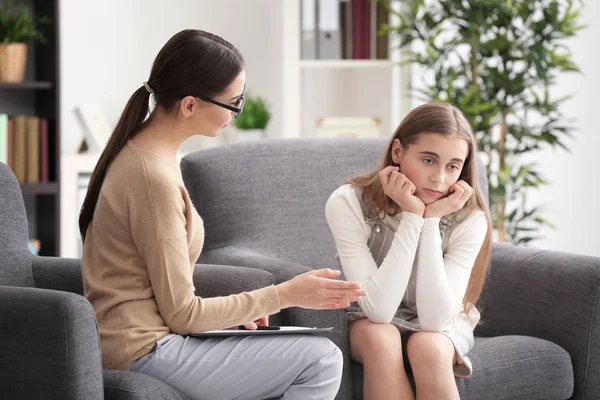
(253, 121)
(497, 61)
(18, 28)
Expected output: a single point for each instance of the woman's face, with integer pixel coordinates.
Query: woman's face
(433, 163)
(213, 118)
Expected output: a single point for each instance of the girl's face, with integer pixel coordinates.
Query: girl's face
(212, 118)
(433, 163)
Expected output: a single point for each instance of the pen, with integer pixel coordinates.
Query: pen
(260, 328)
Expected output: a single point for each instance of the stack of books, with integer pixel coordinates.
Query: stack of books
(344, 29)
(24, 147)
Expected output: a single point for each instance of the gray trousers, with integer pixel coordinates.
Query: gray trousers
(292, 367)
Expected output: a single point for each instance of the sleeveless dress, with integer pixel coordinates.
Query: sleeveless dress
(459, 331)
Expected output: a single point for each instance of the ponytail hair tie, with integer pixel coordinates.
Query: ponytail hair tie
(148, 88)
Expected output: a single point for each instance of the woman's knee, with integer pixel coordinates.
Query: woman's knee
(321, 348)
(377, 342)
(429, 351)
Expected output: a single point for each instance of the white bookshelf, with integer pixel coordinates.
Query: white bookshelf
(317, 88)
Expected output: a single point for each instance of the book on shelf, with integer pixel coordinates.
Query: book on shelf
(19, 150)
(343, 29)
(11, 143)
(25, 147)
(4, 138)
(33, 150)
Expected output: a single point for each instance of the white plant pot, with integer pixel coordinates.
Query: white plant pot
(250, 135)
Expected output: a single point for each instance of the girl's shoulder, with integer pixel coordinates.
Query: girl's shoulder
(344, 202)
(345, 190)
(344, 195)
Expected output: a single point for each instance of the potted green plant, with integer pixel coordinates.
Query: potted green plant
(18, 28)
(497, 60)
(253, 121)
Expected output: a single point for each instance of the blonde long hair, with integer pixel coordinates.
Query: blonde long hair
(443, 119)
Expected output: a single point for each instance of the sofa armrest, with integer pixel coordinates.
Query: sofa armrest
(57, 273)
(224, 280)
(549, 295)
(129, 385)
(49, 344)
(64, 274)
(234, 255)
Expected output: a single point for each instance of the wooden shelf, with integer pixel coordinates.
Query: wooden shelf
(36, 85)
(33, 189)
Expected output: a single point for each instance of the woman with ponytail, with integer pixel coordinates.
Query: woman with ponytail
(142, 236)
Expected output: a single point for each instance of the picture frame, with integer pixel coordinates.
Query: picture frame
(96, 128)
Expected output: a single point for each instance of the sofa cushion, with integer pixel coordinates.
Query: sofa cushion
(509, 367)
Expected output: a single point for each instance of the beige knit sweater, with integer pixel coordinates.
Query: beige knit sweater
(138, 261)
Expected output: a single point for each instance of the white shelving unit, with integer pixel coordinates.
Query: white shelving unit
(74, 168)
(316, 88)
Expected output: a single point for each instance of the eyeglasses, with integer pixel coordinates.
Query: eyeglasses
(237, 109)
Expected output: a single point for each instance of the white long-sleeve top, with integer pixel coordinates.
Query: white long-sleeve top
(442, 266)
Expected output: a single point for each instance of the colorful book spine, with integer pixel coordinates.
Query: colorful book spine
(44, 150)
(4, 138)
(33, 150)
(20, 149)
(11, 144)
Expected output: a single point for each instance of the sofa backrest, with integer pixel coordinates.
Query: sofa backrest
(15, 258)
(270, 195)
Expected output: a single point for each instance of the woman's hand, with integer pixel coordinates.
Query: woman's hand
(264, 321)
(316, 290)
(401, 190)
(460, 192)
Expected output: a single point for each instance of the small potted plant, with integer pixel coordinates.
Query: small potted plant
(253, 121)
(18, 28)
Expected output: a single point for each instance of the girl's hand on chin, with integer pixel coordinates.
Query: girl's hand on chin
(460, 193)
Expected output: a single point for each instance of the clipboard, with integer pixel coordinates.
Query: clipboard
(283, 330)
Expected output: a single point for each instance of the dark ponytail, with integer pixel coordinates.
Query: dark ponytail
(129, 124)
(192, 62)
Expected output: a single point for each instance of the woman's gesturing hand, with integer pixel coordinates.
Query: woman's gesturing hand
(317, 290)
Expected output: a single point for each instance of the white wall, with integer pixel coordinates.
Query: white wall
(573, 197)
(107, 50)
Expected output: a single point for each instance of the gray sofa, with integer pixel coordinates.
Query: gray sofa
(263, 207)
(49, 343)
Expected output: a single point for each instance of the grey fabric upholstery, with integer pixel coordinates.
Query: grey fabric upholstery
(263, 207)
(127, 385)
(549, 295)
(268, 198)
(223, 280)
(49, 347)
(57, 273)
(14, 256)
